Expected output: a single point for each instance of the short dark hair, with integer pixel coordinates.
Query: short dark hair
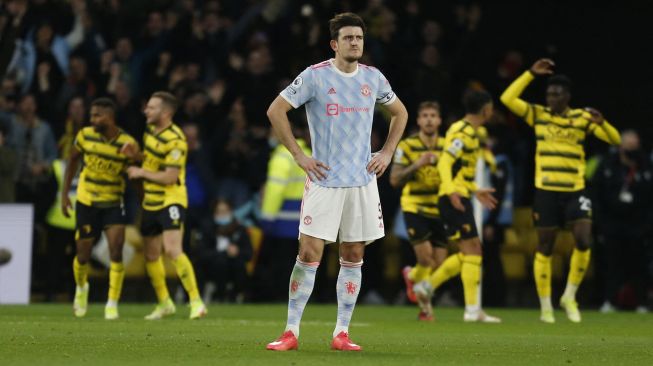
(429, 104)
(345, 20)
(560, 80)
(105, 102)
(475, 100)
(167, 99)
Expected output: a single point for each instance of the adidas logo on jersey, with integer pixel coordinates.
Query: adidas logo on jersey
(331, 91)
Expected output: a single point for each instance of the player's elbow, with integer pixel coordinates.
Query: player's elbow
(402, 114)
(505, 98)
(273, 111)
(270, 112)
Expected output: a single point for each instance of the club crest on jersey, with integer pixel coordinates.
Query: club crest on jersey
(365, 90)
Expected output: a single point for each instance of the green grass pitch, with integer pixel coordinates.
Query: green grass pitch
(237, 335)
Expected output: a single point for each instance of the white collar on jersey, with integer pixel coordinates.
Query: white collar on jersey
(345, 74)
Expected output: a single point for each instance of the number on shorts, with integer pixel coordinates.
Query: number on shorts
(174, 212)
(585, 203)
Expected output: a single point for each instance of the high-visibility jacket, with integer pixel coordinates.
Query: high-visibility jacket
(55, 216)
(282, 197)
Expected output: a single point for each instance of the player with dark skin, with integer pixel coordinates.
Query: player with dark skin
(557, 99)
(104, 122)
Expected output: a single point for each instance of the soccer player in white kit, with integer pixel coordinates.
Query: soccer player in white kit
(341, 200)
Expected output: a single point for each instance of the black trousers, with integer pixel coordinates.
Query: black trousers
(60, 253)
(220, 269)
(626, 260)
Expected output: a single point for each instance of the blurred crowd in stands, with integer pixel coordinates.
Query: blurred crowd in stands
(226, 60)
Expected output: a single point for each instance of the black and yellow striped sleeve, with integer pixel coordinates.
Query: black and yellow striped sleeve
(605, 131)
(79, 141)
(511, 98)
(175, 156)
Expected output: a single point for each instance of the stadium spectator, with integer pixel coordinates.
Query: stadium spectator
(623, 187)
(129, 115)
(231, 156)
(61, 234)
(34, 143)
(280, 214)
(213, 53)
(43, 59)
(73, 122)
(7, 168)
(501, 178)
(199, 182)
(78, 82)
(11, 25)
(225, 250)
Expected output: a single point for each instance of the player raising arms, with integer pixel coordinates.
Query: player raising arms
(415, 168)
(341, 199)
(560, 198)
(99, 204)
(457, 169)
(164, 203)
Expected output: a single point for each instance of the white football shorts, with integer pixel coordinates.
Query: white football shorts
(345, 215)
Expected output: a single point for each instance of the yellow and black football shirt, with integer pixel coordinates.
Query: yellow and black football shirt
(165, 149)
(559, 156)
(457, 165)
(102, 180)
(420, 194)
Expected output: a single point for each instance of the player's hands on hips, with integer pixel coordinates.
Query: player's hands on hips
(456, 202)
(315, 169)
(129, 150)
(134, 172)
(66, 205)
(543, 66)
(380, 162)
(595, 115)
(485, 197)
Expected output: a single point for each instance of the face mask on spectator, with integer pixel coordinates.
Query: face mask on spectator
(223, 220)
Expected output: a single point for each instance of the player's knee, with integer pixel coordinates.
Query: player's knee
(352, 252)
(546, 241)
(308, 255)
(151, 256)
(471, 247)
(583, 241)
(583, 235)
(116, 257)
(426, 261)
(436, 264)
(310, 251)
(82, 258)
(83, 251)
(173, 254)
(545, 248)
